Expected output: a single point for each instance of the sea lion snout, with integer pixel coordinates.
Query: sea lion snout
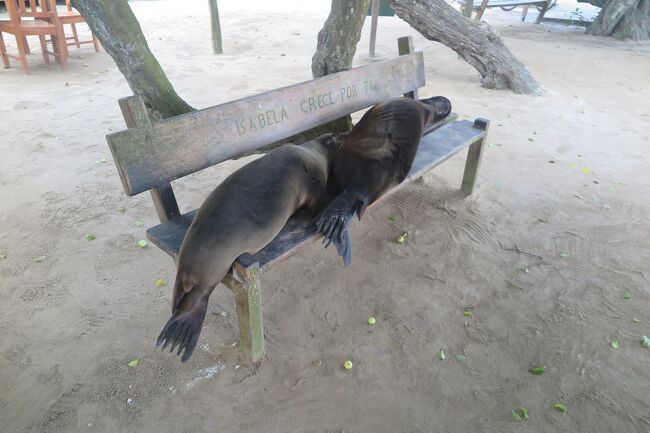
(441, 107)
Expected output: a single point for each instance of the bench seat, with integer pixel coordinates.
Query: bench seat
(449, 139)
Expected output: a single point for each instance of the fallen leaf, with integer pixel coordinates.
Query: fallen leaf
(142, 243)
(460, 358)
(139, 223)
(524, 412)
(39, 258)
(585, 170)
(133, 363)
(468, 313)
(90, 237)
(645, 341)
(516, 416)
(565, 255)
(392, 218)
(402, 238)
(559, 407)
(3, 255)
(537, 370)
(627, 295)
(160, 282)
(121, 209)
(615, 344)
(530, 139)
(442, 355)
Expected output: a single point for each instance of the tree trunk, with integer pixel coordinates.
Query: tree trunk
(623, 19)
(217, 46)
(117, 28)
(474, 41)
(337, 44)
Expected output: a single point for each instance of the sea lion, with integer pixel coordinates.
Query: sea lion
(242, 215)
(375, 156)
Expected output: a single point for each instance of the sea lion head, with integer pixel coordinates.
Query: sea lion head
(440, 107)
(330, 143)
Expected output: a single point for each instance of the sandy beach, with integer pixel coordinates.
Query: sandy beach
(551, 253)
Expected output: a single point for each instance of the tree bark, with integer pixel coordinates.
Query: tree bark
(623, 19)
(119, 32)
(217, 46)
(475, 41)
(337, 44)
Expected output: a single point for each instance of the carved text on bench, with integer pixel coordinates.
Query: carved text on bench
(308, 104)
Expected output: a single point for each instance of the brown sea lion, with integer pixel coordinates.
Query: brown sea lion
(375, 156)
(242, 215)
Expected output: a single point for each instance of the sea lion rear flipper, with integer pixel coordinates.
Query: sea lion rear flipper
(184, 327)
(333, 223)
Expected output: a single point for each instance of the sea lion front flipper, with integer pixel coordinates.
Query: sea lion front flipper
(184, 327)
(333, 223)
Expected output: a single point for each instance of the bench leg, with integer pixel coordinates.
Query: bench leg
(541, 14)
(474, 158)
(245, 284)
(524, 12)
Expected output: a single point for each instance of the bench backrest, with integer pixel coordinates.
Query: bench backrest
(151, 154)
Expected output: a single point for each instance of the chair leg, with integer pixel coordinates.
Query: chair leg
(20, 42)
(481, 10)
(60, 46)
(27, 50)
(46, 56)
(75, 35)
(246, 286)
(95, 42)
(474, 158)
(524, 12)
(3, 52)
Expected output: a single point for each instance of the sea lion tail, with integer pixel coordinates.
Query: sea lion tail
(333, 223)
(184, 327)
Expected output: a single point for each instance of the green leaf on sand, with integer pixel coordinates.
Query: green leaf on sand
(402, 238)
(537, 370)
(645, 341)
(468, 313)
(627, 295)
(530, 139)
(442, 355)
(139, 223)
(160, 282)
(614, 344)
(524, 412)
(142, 243)
(392, 218)
(39, 258)
(516, 416)
(559, 407)
(460, 358)
(134, 362)
(90, 237)
(565, 255)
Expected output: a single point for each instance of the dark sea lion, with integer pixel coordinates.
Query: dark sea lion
(242, 215)
(375, 156)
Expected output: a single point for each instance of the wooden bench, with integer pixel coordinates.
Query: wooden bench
(480, 8)
(151, 154)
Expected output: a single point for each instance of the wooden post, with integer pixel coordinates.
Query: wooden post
(245, 284)
(474, 155)
(217, 45)
(405, 46)
(373, 26)
(467, 9)
(136, 116)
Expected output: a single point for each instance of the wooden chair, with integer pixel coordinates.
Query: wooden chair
(72, 17)
(466, 7)
(38, 23)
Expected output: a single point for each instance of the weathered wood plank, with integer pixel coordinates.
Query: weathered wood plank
(175, 147)
(434, 149)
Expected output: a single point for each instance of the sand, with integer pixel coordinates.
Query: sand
(543, 253)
